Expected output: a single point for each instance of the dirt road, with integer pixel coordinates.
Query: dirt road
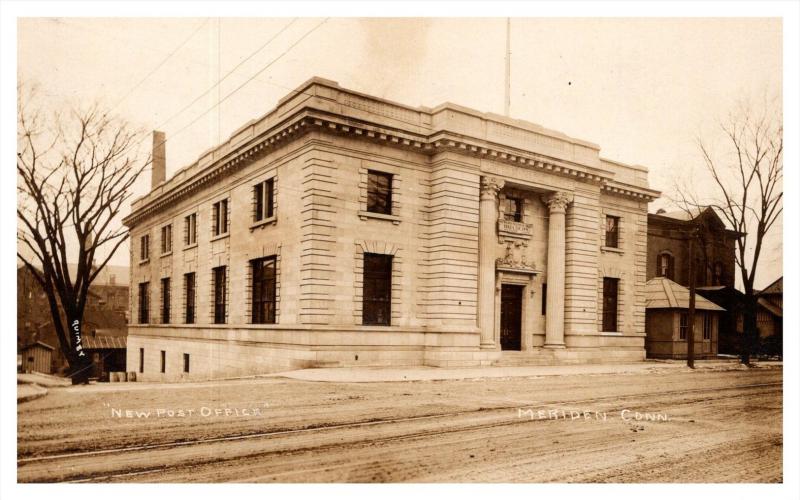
(703, 426)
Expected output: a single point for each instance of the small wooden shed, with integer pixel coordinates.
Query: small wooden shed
(667, 322)
(37, 357)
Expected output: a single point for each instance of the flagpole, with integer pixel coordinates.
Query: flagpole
(507, 104)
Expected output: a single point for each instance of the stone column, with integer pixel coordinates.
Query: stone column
(556, 260)
(487, 241)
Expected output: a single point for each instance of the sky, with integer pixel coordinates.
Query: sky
(643, 89)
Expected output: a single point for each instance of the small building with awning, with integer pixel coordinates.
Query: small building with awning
(107, 349)
(667, 321)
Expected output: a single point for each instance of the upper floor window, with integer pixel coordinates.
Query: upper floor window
(165, 300)
(379, 192)
(220, 217)
(718, 278)
(190, 229)
(189, 291)
(264, 200)
(513, 210)
(144, 247)
(377, 292)
(144, 303)
(166, 239)
(612, 231)
(220, 294)
(665, 266)
(263, 290)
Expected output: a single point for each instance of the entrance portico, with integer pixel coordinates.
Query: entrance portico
(506, 218)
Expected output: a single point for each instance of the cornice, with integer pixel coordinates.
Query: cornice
(308, 119)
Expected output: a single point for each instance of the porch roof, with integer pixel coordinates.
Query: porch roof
(663, 293)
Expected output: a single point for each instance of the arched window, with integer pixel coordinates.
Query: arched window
(665, 265)
(718, 277)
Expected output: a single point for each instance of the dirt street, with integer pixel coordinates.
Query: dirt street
(704, 426)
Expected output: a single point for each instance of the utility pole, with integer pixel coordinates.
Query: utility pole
(507, 103)
(692, 285)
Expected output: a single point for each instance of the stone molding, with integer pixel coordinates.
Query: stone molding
(558, 201)
(305, 121)
(490, 187)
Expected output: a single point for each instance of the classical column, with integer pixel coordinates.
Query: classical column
(556, 259)
(487, 241)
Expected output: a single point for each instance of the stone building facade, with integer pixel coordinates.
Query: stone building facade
(345, 230)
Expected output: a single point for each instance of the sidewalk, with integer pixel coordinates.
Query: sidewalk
(422, 373)
(43, 380)
(29, 392)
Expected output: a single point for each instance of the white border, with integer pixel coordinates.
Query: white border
(10, 11)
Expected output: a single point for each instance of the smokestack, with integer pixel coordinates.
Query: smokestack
(159, 159)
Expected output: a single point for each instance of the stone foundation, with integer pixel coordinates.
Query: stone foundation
(217, 353)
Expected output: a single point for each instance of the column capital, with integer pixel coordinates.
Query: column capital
(558, 201)
(490, 186)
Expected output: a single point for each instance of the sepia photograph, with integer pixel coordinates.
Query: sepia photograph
(364, 243)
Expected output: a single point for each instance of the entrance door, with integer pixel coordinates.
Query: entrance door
(510, 317)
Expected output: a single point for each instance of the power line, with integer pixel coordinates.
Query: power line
(259, 72)
(196, 62)
(252, 54)
(309, 32)
(160, 64)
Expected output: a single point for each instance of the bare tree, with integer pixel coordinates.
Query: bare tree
(747, 177)
(74, 175)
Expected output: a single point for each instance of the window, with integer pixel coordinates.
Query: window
(544, 299)
(144, 303)
(263, 200)
(189, 289)
(377, 296)
(707, 322)
(263, 290)
(221, 217)
(612, 231)
(185, 363)
(718, 274)
(513, 210)
(190, 229)
(166, 239)
(665, 266)
(610, 293)
(379, 192)
(163, 361)
(141, 360)
(684, 326)
(144, 247)
(165, 300)
(219, 294)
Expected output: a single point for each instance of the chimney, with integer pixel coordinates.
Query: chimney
(159, 159)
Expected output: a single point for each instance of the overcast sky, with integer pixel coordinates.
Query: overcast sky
(642, 89)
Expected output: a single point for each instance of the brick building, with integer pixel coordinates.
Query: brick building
(668, 248)
(345, 230)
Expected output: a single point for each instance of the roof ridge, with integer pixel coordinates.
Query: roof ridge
(673, 302)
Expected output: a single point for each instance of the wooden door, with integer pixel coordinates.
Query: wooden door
(510, 317)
